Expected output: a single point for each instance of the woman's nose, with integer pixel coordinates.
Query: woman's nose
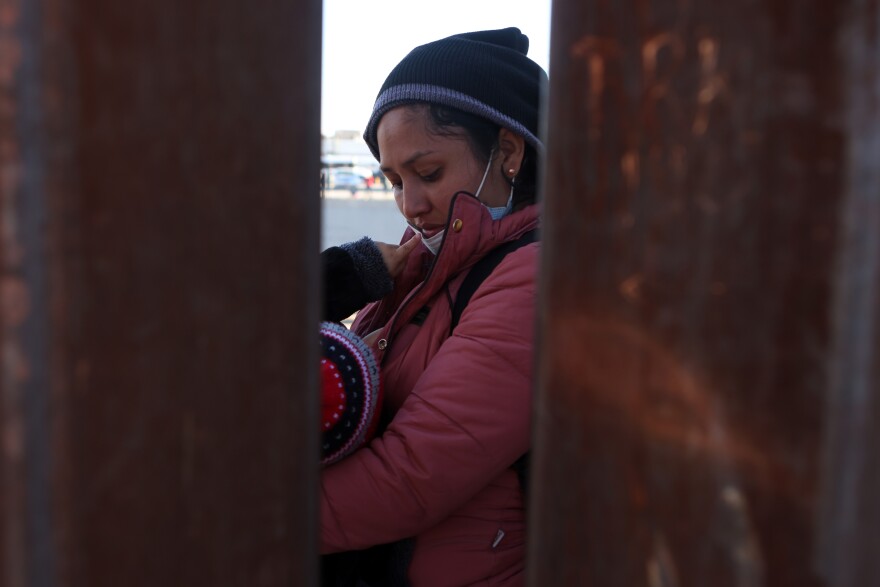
(413, 202)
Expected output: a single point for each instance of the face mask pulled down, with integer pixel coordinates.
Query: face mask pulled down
(433, 243)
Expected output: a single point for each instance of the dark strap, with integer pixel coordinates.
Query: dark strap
(481, 270)
(478, 273)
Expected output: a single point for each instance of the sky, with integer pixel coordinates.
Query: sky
(365, 39)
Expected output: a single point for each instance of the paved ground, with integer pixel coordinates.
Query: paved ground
(369, 213)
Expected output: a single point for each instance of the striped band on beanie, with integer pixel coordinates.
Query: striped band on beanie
(486, 73)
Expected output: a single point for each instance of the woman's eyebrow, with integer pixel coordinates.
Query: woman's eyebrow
(413, 158)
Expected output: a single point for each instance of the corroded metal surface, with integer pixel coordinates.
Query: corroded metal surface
(708, 401)
(159, 240)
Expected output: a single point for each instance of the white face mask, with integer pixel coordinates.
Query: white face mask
(433, 243)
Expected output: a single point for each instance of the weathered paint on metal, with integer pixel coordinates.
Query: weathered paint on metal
(159, 243)
(707, 402)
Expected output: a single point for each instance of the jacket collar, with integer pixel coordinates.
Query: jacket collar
(470, 234)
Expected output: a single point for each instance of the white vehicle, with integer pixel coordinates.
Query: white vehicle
(346, 179)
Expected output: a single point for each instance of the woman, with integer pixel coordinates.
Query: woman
(455, 131)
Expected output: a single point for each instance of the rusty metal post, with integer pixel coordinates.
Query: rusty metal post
(158, 239)
(709, 395)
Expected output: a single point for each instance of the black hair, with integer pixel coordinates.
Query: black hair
(482, 137)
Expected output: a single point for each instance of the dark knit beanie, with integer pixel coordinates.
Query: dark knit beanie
(485, 73)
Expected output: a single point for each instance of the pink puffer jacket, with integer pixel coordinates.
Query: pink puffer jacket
(441, 472)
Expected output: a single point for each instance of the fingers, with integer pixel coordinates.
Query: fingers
(406, 248)
(395, 257)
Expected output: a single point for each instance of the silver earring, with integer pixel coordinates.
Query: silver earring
(511, 172)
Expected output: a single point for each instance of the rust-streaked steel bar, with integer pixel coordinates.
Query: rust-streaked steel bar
(158, 255)
(709, 393)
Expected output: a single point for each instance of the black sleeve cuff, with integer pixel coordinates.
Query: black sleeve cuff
(354, 275)
(370, 267)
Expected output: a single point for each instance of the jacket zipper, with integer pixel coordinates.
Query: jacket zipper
(419, 287)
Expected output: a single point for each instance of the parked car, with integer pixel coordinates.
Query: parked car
(345, 179)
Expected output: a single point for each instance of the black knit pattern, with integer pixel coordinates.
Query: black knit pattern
(370, 267)
(354, 275)
(486, 73)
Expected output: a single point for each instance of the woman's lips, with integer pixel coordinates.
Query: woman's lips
(429, 230)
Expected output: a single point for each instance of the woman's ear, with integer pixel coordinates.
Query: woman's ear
(512, 147)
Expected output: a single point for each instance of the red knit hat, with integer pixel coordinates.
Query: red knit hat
(350, 392)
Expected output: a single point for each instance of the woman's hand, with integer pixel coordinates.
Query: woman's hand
(395, 256)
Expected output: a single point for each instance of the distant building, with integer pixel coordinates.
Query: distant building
(346, 148)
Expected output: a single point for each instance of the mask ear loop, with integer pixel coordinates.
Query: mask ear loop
(485, 174)
(509, 203)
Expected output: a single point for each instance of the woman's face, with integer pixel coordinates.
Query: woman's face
(426, 169)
